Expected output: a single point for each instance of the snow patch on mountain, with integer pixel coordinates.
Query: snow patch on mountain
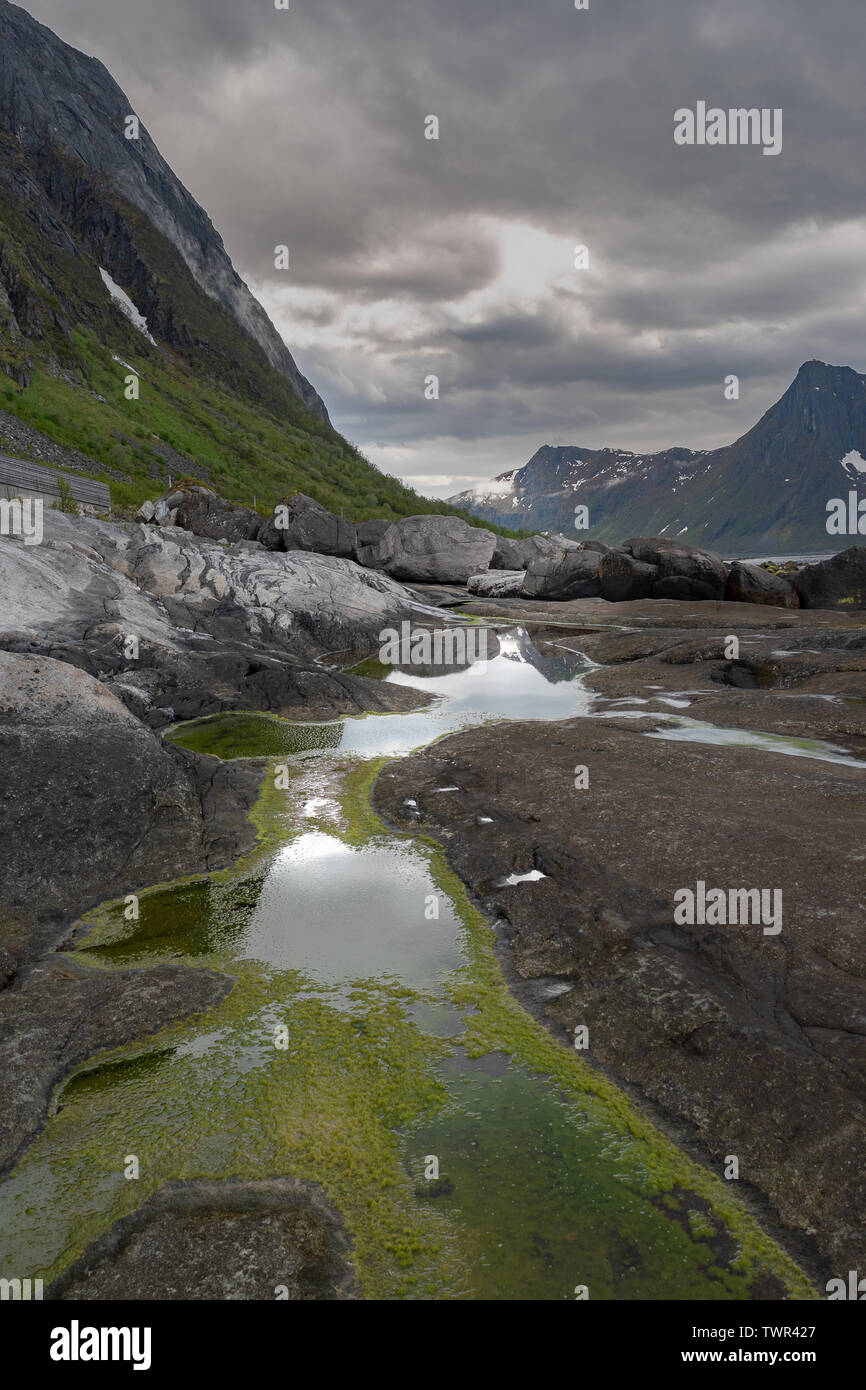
(125, 305)
(502, 486)
(854, 463)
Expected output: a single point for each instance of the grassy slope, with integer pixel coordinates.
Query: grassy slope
(212, 398)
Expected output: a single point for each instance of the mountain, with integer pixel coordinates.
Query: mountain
(108, 266)
(766, 493)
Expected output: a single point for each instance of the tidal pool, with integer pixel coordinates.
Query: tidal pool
(370, 1043)
(517, 683)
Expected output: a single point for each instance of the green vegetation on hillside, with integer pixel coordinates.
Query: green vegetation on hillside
(207, 394)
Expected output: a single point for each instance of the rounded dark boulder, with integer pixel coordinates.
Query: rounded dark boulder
(753, 584)
(839, 582)
(624, 578)
(676, 559)
(301, 523)
(564, 574)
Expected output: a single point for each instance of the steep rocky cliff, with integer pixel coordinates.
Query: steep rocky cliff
(67, 160)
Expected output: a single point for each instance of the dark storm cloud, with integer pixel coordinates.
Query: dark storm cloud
(307, 127)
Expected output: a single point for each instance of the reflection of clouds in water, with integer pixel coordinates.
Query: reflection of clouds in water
(517, 683)
(682, 730)
(342, 914)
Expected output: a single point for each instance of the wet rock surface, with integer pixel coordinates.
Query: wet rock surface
(265, 1239)
(744, 1042)
(747, 1043)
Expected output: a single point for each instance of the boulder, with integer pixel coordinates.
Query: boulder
(145, 512)
(271, 536)
(753, 584)
(205, 514)
(678, 560)
(517, 554)
(836, 583)
(131, 809)
(497, 583)
(624, 578)
(181, 491)
(677, 586)
(368, 537)
(594, 545)
(436, 549)
(301, 523)
(564, 574)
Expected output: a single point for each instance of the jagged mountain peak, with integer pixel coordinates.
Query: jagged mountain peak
(767, 491)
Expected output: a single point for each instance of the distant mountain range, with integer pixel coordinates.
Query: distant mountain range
(764, 494)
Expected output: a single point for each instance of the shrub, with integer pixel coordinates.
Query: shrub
(67, 502)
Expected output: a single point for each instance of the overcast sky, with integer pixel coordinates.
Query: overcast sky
(411, 256)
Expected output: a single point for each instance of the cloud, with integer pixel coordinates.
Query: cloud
(411, 256)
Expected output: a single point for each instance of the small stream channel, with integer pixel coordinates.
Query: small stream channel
(371, 1045)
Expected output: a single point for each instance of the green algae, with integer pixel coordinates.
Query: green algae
(244, 735)
(230, 1102)
(551, 1178)
(498, 1023)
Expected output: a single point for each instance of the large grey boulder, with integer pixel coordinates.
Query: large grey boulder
(753, 584)
(518, 554)
(624, 578)
(368, 538)
(677, 560)
(436, 549)
(564, 574)
(302, 523)
(836, 583)
(163, 514)
(497, 583)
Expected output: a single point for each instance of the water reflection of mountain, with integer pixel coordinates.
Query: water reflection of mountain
(518, 646)
(460, 648)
